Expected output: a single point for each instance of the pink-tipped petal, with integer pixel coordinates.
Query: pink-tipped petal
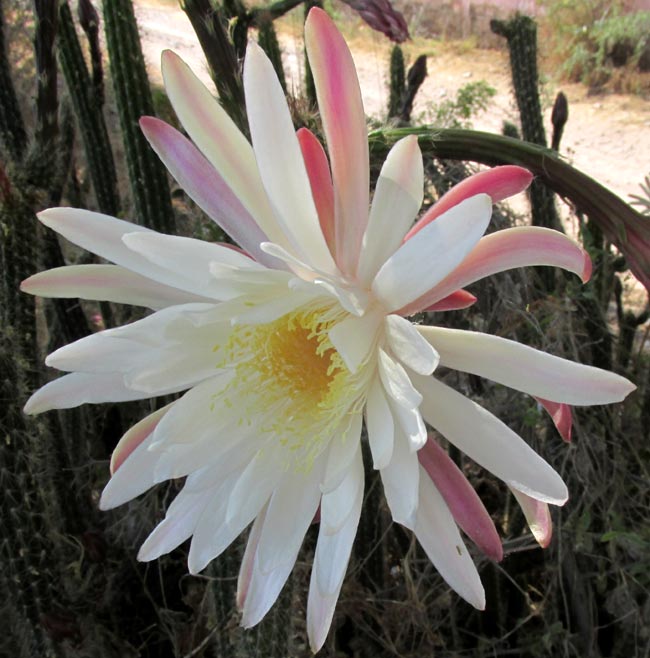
(499, 183)
(205, 186)
(456, 301)
(561, 415)
(320, 179)
(521, 246)
(106, 283)
(135, 436)
(463, 502)
(344, 123)
(537, 516)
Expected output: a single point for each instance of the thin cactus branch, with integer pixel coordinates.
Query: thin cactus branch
(47, 107)
(89, 21)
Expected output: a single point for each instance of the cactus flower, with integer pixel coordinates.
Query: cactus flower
(285, 347)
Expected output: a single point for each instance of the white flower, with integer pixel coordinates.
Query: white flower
(285, 349)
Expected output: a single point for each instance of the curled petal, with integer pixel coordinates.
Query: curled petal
(344, 123)
(456, 301)
(499, 183)
(463, 502)
(537, 516)
(504, 250)
(135, 436)
(561, 415)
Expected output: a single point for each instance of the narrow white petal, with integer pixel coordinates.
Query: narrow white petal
(178, 525)
(396, 382)
(526, 369)
(290, 512)
(436, 531)
(106, 283)
(248, 561)
(409, 346)
(213, 534)
(287, 186)
(395, 203)
(331, 560)
(488, 441)
(432, 253)
(410, 422)
(80, 388)
(342, 452)
(380, 425)
(336, 506)
(400, 479)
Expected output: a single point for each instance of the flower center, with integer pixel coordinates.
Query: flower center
(290, 383)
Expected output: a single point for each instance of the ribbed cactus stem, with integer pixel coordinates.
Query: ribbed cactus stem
(208, 22)
(45, 12)
(89, 21)
(268, 40)
(521, 34)
(87, 107)
(397, 82)
(12, 129)
(147, 175)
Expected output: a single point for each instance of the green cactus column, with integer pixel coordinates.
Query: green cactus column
(87, 107)
(397, 82)
(133, 97)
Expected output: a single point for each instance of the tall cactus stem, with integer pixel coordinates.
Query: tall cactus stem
(87, 107)
(147, 175)
(397, 82)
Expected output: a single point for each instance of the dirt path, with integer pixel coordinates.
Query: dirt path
(608, 137)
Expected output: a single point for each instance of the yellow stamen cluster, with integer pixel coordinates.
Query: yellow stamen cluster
(290, 382)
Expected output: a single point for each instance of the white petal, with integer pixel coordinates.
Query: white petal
(354, 338)
(380, 425)
(248, 561)
(397, 199)
(287, 185)
(526, 369)
(436, 531)
(409, 347)
(400, 479)
(490, 443)
(409, 420)
(432, 253)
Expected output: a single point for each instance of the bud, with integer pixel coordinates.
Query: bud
(381, 16)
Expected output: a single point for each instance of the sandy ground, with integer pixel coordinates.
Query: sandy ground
(607, 136)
